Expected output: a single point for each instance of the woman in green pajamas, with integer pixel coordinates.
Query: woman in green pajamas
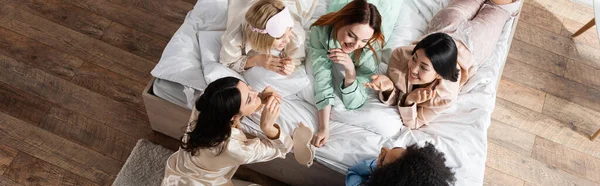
(350, 37)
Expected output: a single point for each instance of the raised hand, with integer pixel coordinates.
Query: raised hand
(338, 56)
(380, 83)
(288, 66)
(267, 93)
(270, 113)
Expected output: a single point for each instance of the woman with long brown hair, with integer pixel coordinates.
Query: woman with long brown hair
(352, 38)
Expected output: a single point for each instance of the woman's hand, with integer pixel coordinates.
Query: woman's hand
(288, 66)
(380, 83)
(272, 63)
(338, 56)
(419, 95)
(267, 93)
(270, 113)
(320, 138)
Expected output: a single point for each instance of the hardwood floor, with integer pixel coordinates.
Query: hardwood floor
(72, 73)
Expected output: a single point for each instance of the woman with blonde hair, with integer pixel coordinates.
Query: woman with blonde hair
(265, 35)
(265, 44)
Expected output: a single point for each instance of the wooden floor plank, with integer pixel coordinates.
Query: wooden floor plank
(7, 155)
(589, 37)
(193, 2)
(558, 44)
(75, 98)
(540, 16)
(8, 6)
(552, 84)
(494, 177)
(565, 8)
(79, 45)
(131, 17)
(135, 42)
(581, 119)
(21, 104)
(88, 133)
(582, 73)
(111, 85)
(528, 169)
(29, 170)
(544, 126)
(174, 10)
(164, 140)
(523, 95)
(6, 181)
(57, 151)
(575, 10)
(567, 159)
(65, 123)
(538, 57)
(69, 16)
(511, 137)
(45, 58)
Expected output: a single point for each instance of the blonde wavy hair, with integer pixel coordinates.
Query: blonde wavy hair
(257, 16)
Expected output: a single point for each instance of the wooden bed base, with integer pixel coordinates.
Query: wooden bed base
(171, 119)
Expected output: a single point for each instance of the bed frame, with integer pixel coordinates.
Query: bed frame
(171, 119)
(512, 34)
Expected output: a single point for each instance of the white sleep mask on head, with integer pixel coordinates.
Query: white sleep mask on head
(277, 25)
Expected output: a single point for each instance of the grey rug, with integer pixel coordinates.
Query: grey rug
(144, 166)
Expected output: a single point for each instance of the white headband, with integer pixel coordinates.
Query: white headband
(277, 25)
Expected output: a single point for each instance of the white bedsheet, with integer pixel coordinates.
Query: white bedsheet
(460, 132)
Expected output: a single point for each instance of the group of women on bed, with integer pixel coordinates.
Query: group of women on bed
(344, 53)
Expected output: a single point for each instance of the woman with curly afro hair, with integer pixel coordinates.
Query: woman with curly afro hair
(412, 166)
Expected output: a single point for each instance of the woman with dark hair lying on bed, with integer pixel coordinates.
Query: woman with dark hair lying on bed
(211, 152)
(413, 166)
(351, 37)
(424, 79)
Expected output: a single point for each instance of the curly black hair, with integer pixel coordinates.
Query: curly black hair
(419, 166)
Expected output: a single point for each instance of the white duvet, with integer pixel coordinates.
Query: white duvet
(460, 132)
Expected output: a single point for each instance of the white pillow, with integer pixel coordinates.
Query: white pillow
(180, 61)
(210, 47)
(237, 7)
(209, 15)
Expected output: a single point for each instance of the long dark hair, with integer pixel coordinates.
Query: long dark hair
(220, 101)
(357, 11)
(442, 52)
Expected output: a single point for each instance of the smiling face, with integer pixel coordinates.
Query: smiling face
(354, 36)
(250, 100)
(283, 41)
(387, 155)
(420, 69)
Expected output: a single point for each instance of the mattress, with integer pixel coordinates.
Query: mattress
(460, 132)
